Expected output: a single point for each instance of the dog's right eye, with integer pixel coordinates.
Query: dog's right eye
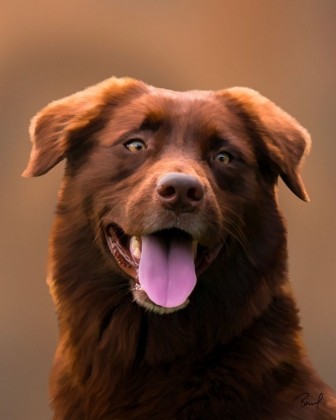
(224, 158)
(135, 145)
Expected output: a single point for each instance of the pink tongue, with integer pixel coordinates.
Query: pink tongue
(167, 269)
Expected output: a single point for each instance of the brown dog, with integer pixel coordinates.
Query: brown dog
(168, 259)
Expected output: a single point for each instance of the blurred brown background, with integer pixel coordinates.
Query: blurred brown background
(286, 49)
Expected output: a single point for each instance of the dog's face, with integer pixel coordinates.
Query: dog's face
(166, 178)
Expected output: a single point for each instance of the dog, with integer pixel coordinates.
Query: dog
(168, 256)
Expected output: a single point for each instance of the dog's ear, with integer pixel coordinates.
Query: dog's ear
(286, 141)
(52, 128)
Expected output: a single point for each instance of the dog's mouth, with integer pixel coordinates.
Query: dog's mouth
(164, 264)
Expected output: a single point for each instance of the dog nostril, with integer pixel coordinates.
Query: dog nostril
(195, 194)
(166, 192)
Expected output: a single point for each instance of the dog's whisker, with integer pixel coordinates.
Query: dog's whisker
(225, 208)
(99, 231)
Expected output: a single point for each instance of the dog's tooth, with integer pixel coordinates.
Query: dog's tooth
(134, 243)
(137, 253)
(135, 247)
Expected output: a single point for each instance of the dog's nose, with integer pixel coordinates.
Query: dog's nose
(180, 192)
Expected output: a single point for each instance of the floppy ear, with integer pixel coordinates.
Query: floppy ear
(51, 129)
(286, 141)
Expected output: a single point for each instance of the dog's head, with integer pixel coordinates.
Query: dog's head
(167, 177)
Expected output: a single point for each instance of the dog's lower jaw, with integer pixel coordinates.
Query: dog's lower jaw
(140, 297)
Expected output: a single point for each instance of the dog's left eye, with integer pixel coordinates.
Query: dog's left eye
(224, 158)
(135, 145)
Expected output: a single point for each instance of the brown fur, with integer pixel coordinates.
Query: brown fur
(235, 351)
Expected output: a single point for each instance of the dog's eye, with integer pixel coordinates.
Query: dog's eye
(135, 145)
(224, 158)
